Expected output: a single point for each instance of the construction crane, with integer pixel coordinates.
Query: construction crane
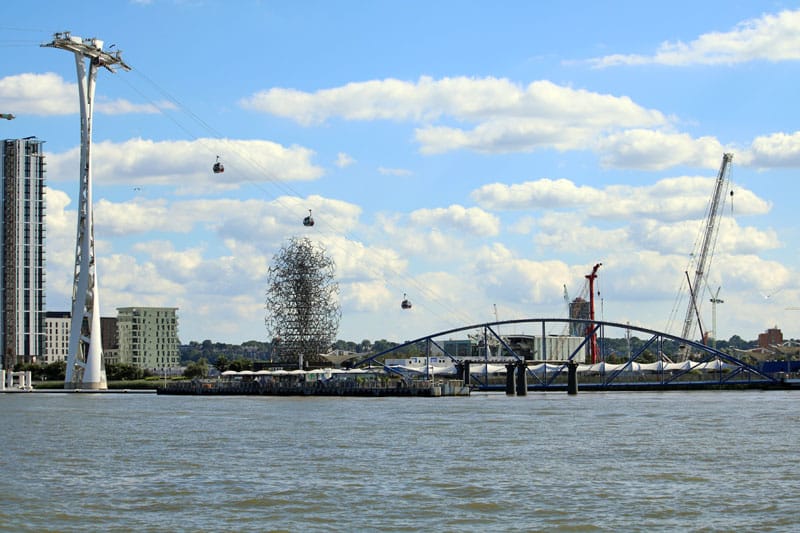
(709, 239)
(714, 301)
(593, 343)
(693, 300)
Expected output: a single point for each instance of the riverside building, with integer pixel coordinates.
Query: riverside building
(22, 290)
(148, 337)
(56, 325)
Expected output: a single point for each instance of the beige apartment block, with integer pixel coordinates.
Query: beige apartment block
(56, 326)
(148, 337)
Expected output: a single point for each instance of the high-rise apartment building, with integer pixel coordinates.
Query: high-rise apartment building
(22, 313)
(148, 337)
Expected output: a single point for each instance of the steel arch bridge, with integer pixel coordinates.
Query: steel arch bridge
(706, 367)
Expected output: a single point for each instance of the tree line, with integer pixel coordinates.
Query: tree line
(263, 351)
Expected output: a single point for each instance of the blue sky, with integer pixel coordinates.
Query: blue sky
(472, 155)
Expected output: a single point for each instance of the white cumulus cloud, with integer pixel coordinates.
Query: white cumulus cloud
(186, 165)
(472, 220)
(772, 37)
(776, 150)
(344, 160)
(49, 94)
(507, 116)
(669, 199)
(657, 150)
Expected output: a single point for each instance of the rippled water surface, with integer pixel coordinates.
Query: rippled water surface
(713, 461)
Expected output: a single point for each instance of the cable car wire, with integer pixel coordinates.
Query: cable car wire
(285, 188)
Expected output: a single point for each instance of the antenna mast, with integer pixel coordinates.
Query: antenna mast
(85, 358)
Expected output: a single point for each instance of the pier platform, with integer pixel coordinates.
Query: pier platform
(320, 388)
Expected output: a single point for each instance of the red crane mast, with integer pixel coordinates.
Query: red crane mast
(593, 342)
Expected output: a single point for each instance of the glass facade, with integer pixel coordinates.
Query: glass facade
(22, 315)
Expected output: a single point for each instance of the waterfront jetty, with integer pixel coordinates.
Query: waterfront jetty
(320, 382)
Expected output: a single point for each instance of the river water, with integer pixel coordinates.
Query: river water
(713, 461)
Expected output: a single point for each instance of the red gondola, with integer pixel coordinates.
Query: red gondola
(218, 168)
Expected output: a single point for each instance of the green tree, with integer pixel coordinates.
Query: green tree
(222, 363)
(382, 345)
(124, 372)
(190, 352)
(739, 343)
(196, 369)
(34, 368)
(240, 364)
(55, 371)
(349, 346)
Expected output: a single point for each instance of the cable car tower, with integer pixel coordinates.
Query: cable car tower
(85, 358)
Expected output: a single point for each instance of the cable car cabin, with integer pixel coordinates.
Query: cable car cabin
(308, 221)
(405, 304)
(218, 167)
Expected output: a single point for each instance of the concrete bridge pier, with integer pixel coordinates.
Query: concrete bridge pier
(572, 378)
(522, 379)
(510, 379)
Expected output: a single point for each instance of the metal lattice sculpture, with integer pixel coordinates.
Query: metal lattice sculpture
(302, 302)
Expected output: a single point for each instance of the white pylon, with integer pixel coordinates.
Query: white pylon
(85, 367)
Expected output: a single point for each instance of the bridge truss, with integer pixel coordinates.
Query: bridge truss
(656, 351)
